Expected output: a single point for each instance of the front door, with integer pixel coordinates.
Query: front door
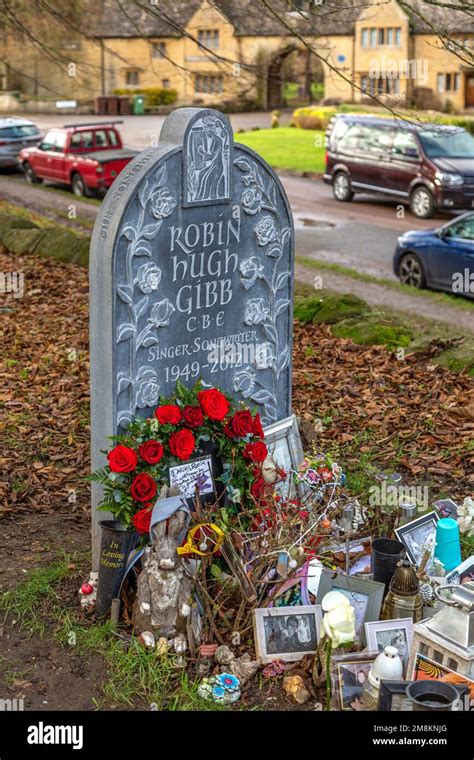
(469, 89)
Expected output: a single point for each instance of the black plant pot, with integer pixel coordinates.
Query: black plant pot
(117, 541)
(386, 554)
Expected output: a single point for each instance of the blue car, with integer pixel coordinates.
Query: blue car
(441, 258)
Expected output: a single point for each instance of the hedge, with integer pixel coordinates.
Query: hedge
(154, 96)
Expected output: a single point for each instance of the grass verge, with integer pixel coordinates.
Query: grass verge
(289, 148)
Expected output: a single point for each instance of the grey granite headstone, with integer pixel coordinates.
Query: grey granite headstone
(191, 275)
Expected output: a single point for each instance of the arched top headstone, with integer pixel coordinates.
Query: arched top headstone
(191, 276)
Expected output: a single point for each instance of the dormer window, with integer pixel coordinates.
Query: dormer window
(209, 38)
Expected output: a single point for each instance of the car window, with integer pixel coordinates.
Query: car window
(354, 138)
(87, 140)
(339, 129)
(100, 139)
(378, 139)
(112, 137)
(464, 229)
(405, 145)
(451, 143)
(18, 132)
(49, 141)
(76, 142)
(60, 141)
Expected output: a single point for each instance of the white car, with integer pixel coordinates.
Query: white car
(15, 134)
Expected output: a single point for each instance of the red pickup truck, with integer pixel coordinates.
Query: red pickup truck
(85, 156)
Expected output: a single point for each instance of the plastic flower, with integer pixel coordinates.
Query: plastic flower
(466, 517)
(339, 620)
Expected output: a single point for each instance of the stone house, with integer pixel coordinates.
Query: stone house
(212, 51)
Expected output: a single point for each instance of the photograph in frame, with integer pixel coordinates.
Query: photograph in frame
(286, 633)
(397, 633)
(418, 534)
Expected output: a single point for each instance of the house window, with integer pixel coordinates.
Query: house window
(373, 37)
(208, 84)
(158, 50)
(165, 83)
(132, 77)
(390, 36)
(447, 82)
(365, 38)
(398, 36)
(208, 38)
(381, 36)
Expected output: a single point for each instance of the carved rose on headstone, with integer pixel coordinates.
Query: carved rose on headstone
(266, 231)
(255, 311)
(252, 199)
(244, 381)
(148, 278)
(161, 312)
(148, 389)
(250, 271)
(162, 203)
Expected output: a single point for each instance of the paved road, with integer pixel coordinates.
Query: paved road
(359, 235)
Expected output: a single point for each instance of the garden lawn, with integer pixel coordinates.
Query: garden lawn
(287, 147)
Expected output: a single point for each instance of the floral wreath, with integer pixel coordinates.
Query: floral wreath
(139, 462)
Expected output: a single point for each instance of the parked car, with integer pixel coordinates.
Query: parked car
(15, 134)
(430, 166)
(441, 258)
(85, 156)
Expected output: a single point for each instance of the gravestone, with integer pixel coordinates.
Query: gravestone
(191, 276)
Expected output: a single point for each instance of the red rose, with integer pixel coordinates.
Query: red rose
(256, 452)
(182, 444)
(122, 459)
(242, 423)
(151, 452)
(258, 489)
(142, 519)
(143, 487)
(193, 416)
(257, 427)
(229, 432)
(214, 404)
(170, 414)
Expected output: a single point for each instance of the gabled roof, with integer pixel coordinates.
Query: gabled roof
(139, 18)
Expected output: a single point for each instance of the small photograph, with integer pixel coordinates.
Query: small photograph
(359, 603)
(286, 633)
(394, 633)
(419, 536)
(352, 677)
(462, 574)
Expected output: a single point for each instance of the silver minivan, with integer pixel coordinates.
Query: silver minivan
(15, 134)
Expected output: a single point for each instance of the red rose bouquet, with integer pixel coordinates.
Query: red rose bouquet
(139, 462)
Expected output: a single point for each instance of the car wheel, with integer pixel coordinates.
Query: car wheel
(411, 272)
(422, 203)
(30, 176)
(79, 187)
(341, 187)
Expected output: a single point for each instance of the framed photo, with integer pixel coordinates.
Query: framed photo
(349, 673)
(463, 573)
(418, 534)
(286, 633)
(393, 698)
(425, 669)
(446, 508)
(283, 441)
(395, 633)
(201, 471)
(365, 596)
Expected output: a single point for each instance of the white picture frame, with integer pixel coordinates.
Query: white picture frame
(286, 633)
(377, 634)
(423, 528)
(461, 572)
(283, 441)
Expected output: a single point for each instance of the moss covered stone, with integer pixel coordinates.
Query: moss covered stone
(20, 241)
(329, 308)
(373, 330)
(64, 245)
(12, 221)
